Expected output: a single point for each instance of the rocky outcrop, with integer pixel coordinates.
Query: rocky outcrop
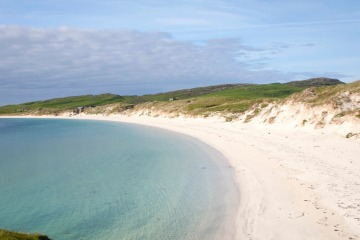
(316, 82)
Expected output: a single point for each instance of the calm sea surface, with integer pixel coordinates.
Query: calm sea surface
(73, 179)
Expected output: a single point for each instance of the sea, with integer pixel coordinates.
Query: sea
(83, 179)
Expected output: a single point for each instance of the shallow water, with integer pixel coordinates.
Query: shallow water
(75, 179)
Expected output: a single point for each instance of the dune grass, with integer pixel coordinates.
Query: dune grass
(327, 94)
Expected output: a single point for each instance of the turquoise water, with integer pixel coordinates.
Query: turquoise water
(75, 179)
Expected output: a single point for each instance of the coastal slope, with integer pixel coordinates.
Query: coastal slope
(8, 235)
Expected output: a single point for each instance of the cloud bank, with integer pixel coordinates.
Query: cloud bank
(42, 63)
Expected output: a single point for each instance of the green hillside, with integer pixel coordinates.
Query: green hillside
(228, 97)
(187, 93)
(58, 104)
(274, 90)
(240, 99)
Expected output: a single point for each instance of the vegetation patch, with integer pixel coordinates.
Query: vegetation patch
(340, 115)
(350, 135)
(185, 93)
(264, 105)
(270, 91)
(231, 117)
(316, 82)
(8, 235)
(252, 115)
(60, 104)
(329, 94)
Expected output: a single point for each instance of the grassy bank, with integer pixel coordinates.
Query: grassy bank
(8, 235)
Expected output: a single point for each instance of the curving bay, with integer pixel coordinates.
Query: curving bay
(77, 179)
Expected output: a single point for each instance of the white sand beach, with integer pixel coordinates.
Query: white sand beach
(294, 183)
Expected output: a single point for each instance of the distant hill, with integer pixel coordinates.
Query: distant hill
(316, 82)
(64, 103)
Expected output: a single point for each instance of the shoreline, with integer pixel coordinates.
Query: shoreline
(293, 184)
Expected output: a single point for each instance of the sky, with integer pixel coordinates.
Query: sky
(63, 48)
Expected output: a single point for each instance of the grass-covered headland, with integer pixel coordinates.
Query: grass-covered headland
(7, 235)
(229, 98)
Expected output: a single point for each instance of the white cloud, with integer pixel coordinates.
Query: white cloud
(66, 61)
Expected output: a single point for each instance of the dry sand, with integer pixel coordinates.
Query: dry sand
(294, 183)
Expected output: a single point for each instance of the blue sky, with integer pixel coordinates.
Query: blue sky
(60, 48)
